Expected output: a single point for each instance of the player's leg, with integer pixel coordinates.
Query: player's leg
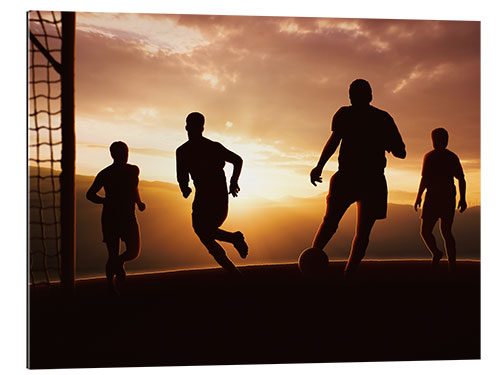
(371, 206)
(337, 203)
(336, 206)
(206, 234)
(113, 247)
(237, 239)
(449, 241)
(218, 216)
(328, 227)
(132, 239)
(428, 223)
(111, 238)
(218, 253)
(364, 224)
(133, 249)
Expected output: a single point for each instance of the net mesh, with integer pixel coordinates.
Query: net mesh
(44, 146)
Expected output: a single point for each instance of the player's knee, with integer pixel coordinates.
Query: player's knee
(202, 230)
(203, 234)
(206, 237)
(133, 251)
(134, 254)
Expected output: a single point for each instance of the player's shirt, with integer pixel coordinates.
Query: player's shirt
(120, 187)
(366, 134)
(439, 168)
(204, 161)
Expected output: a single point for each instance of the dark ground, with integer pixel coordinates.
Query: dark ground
(394, 311)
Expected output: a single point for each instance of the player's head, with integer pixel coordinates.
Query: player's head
(195, 122)
(119, 152)
(439, 138)
(360, 92)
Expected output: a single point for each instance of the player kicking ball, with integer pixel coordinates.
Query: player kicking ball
(364, 133)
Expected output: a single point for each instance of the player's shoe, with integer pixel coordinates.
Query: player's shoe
(240, 244)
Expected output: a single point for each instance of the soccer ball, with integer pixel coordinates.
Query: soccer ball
(313, 263)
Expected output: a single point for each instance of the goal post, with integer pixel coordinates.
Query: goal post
(68, 152)
(51, 148)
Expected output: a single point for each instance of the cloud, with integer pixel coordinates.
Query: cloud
(280, 79)
(149, 33)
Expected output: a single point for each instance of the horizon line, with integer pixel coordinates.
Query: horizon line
(180, 270)
(320, 195)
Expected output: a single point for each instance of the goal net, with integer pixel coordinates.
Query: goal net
(51, 147)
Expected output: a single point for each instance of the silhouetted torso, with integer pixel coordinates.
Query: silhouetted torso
(204, 160)
(120, 185)
(439, 169)
(367, 133)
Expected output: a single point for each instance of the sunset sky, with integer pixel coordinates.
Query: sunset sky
(268, 87)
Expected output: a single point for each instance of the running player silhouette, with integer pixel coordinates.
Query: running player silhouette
(120, 181)
(364, 133)
(439, 169)
(204, 161)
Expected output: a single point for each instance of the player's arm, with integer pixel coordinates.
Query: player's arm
(421, 189)
(94, 189)
(423, 183)
(459, 175)
(237, 163)
(182, 174)
(140, 204)
(462, 204)
(328, 150)
(396, 146)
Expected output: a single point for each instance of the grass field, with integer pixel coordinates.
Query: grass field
(393, 311)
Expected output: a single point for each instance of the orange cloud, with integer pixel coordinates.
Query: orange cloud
(277, 80)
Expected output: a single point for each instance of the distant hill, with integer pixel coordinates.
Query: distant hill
(276, 231)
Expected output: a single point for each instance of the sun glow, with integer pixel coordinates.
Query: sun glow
(269, 95)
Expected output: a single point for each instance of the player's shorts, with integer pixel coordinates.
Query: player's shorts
(209, 214)
(370, 192)
(119, 226)
(438, 208)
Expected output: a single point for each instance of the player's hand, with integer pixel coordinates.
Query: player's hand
(417, 204)
(234, 189)
(141, 206)
(462, 205)
(186, 192)
(316, 175)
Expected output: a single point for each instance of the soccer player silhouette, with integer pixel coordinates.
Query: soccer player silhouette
(204, 161)
(120, 181)
(439, 169)
(364, 133)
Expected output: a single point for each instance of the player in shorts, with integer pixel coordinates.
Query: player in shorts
(364, 133)
(120, 181)
(204, 161)
(439, 169)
